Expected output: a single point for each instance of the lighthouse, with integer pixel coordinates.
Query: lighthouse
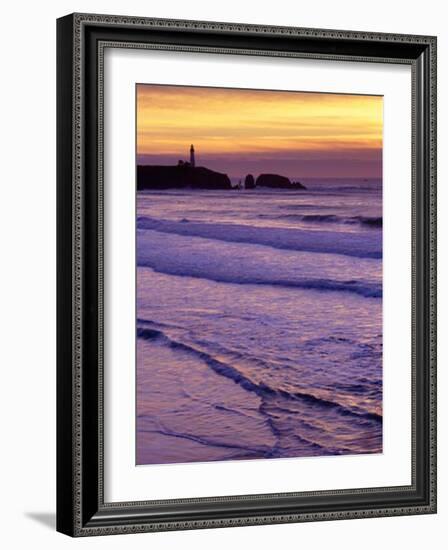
(192, 156)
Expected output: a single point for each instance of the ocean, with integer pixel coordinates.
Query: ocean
(259, 322)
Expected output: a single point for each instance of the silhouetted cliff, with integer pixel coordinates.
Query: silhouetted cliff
(183, 175)
(277, 181)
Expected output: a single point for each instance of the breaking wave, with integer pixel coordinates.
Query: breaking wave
(347, 244)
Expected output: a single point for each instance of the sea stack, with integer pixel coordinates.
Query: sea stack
(249, 182)
(277, 182)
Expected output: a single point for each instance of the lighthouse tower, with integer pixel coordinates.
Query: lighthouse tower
(192, 162)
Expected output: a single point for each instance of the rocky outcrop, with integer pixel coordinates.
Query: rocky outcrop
(278, 182)
(249, 182)
(297, 185)
(182, 175)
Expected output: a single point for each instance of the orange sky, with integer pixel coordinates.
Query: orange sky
(233, 129)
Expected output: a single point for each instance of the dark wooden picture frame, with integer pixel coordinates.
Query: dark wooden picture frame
(81, 509)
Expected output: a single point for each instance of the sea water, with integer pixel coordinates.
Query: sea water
(259, 322)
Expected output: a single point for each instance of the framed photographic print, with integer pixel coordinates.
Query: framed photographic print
(246, 274)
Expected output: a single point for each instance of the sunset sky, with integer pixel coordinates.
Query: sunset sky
(238, 132)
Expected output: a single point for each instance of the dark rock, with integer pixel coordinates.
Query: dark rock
(182, 175)
(249, 182)
(298, 185)
(278, 182)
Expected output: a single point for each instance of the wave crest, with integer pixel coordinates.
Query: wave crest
(360, 245)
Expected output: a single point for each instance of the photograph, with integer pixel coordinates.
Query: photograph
(259, 274)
